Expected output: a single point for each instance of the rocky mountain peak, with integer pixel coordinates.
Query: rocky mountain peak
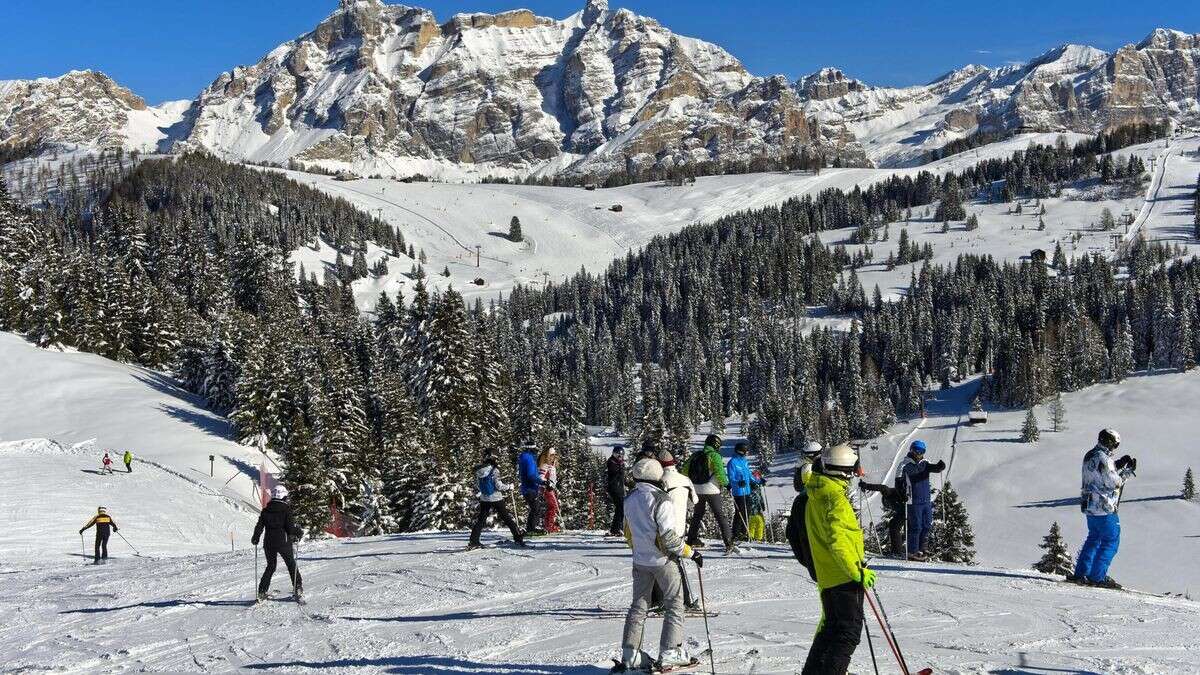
(1167, 38)
(828, 83)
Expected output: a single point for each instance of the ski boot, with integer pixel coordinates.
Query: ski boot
(1108, 583)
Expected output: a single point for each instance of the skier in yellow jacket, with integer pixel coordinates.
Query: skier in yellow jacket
(103, 522)
(837, 552)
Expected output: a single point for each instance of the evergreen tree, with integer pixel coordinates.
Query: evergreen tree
(952, 533)
(514, 230)
(1029, 430)
(1189, 486)
(1058, 413)
(1056, 559)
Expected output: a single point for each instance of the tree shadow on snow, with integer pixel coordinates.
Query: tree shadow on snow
(566, 613)
(206, 422)
(1050, 503)
(1034, 670)
(161, 604)
(432, 664)
(962, 571)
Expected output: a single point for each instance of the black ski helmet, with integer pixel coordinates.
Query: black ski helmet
(741, 448)
(713, 440)
(1109, 438)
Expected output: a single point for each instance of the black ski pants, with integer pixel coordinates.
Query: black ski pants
(486, 508)
(618, 518)
(289, 559)
(839, 631)
(101, 546)
(533, 501)
(896, 533)
(128, 467)
(741, 518)
(708, 502)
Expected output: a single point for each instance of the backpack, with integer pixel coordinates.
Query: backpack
(487, 484)
(797, 535)
(698, 469)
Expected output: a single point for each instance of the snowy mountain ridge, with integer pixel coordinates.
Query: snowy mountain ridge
(380, 88)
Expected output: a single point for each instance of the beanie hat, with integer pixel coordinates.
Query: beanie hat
(666, 458)
(647, 471)
(279, 492)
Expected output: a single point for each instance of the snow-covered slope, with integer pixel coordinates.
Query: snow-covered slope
(418, 604)
(169, 505)
(569, 228)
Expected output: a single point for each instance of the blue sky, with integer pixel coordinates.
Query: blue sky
(171, 49)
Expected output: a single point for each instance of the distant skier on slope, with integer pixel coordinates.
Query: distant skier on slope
(912, 477)
(548, 471)
(706, 469)
(491, 500)
(682, 494)
(893, 500)
(128, 458)
(103, 522)
(280, 529)
(651, 532)
(740, 481)
(1100, 495)
(106, 463)
(614, 484)
(836, 543)
(531, 488)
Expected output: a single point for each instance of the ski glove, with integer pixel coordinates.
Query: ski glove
(941, 465)
(868, 578)
(253, 542)
(1125, 461)
(697, 558)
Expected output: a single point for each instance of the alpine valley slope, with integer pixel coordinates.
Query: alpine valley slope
(59, 411)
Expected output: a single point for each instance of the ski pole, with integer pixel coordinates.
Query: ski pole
(256, 571)
(874, 532)
(135, 551)
(82, 546)
(704, 609)
(892, 633)
(887, 635)
(871, 648)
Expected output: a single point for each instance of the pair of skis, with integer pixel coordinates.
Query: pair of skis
(695, 663)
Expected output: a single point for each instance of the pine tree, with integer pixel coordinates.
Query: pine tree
(1029, 430)
(1058, 412)
(1057, 559)
(1189, 486)
(514, 230)
(952, 533)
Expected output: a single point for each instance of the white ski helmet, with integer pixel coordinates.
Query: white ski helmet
(840, 459)
(279, 492)
(647, 470)
(1109, 438)
(813, 449)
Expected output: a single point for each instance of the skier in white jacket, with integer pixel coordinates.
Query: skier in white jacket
(651, 532)
(682, 493)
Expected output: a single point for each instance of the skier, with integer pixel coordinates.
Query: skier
(757, 508)
(548, 471)
(893, 500)
(740, 482)
(614, 472)
(128, 458)
(531, 489)
(808, 457)
(280, 531)
(651, 532)
(491, 499)
(837, 555)
(106, 463)
(912, 477)
(707, 472)
(682, 493)
(1103, 480)
(102, 521)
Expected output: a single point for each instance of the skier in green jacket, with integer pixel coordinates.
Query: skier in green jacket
(837, 551)
(706, 468)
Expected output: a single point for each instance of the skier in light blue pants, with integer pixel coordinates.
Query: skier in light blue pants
(1103, 479)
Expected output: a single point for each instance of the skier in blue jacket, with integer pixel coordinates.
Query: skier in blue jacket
(740, 481)
(912, 479)
(531, 488)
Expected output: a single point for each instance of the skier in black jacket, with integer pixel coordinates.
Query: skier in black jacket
(615, 485)
(893, 501)
(102, 521)
(280, 530)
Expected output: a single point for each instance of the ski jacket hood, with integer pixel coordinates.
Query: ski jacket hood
(1102, 482)
(681, 492)
(833, 532)
(650, 527)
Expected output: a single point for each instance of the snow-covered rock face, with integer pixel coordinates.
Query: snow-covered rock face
(80, 109)
(510, 90)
